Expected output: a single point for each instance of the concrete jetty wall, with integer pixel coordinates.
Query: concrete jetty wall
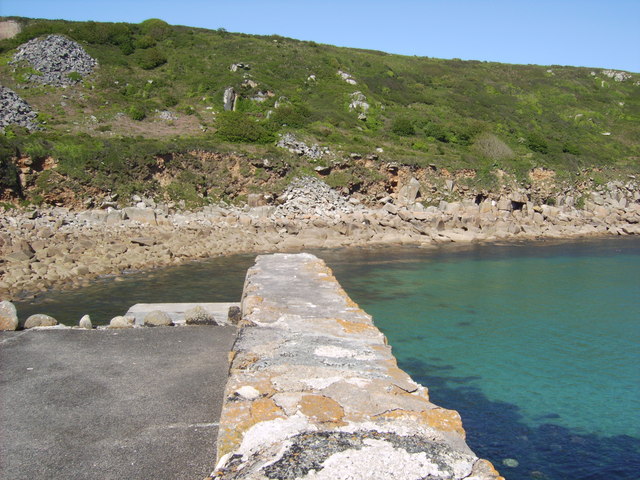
(315, 393)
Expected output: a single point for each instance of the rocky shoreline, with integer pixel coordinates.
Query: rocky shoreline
(55, 248)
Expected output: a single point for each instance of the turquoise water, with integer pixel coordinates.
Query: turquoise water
(535, 344)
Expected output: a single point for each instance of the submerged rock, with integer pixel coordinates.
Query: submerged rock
(8, 316)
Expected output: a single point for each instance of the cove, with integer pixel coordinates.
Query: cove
(535, 343)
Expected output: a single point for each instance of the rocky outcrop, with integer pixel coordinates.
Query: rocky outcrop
(308, 195)
(359, 102)
(58, 60)
(15, 111)
(347, 77)
(314, 152)
(315, 393)
(58, 248)
(229, 99)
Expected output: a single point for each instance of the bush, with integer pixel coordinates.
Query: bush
(292, 116)
(145, 41)
(236, 127)
(155, 28)
(537, 143)
(403, 126)
(437, 132)
(135, 112)
(490, 146)
(9, 179)
(150, 58)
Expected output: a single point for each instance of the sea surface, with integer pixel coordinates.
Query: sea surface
(536, 344)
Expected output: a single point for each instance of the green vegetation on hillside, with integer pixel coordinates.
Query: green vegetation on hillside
(451, 113)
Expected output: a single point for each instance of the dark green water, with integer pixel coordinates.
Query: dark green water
(535, 344)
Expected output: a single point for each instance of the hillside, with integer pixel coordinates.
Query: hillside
(150, 118)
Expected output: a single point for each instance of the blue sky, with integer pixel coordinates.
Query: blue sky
(546, 32)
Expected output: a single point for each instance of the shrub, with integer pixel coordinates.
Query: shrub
(490, 146)
(169, 100)
(136, 112)
(537, 143)
(145, 41)
(236, 127)
(437, 132)
(155, 28)
(150, 58)
(292, 116)
(403, 126)
(9, 179)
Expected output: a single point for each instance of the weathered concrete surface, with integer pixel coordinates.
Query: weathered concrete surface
(176, 311)
(103, 404)
(315, 393)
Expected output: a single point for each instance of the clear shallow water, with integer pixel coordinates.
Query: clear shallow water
(537, 345)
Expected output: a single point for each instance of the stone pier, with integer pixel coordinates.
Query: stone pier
(314, 391)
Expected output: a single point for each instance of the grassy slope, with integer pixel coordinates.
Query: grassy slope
(423, 111)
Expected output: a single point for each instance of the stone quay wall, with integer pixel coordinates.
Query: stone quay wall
(315, 392)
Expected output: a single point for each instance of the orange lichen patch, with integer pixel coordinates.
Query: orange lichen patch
(250, 303)
(238, 417)
(437, 418)
(483, 469)
(382, 349)
(322, 409)
(355, 327)
(264, 386)
(230, 356)
(264, 409)
(230, 431)
(245, 360)
(350, 303)
(445, 420)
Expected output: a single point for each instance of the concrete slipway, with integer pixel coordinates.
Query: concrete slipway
(139, 403)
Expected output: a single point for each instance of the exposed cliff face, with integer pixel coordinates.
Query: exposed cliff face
(362, 180)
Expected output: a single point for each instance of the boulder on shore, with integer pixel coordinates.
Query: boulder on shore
(157, 318)
(85, 322)
(199, 316)
(122, 322)
(40, 320)
(8, 316)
